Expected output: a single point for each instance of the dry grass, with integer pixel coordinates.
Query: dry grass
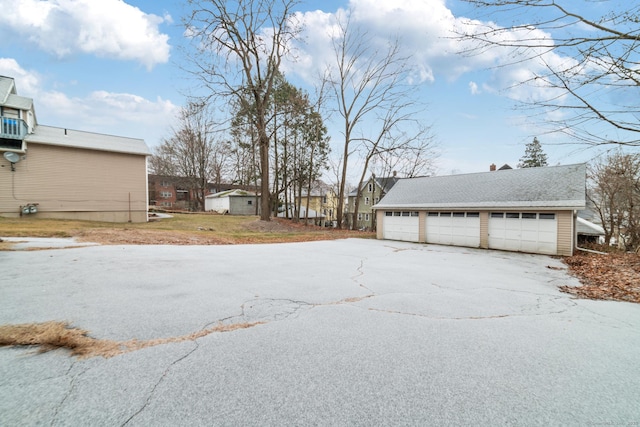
(49, 336)
(182, 229)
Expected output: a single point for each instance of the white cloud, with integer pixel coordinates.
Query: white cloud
(121, 114)
(427, 31)
(105, 28)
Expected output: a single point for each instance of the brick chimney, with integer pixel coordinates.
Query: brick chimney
(492, 167)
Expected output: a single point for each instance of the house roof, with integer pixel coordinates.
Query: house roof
(88, 140)
(231, 193)
(383, 182)
(7, 87)
(9, 96)
(588, 228)
(543, 187)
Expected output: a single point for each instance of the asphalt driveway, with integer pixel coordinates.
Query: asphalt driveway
(347, 332)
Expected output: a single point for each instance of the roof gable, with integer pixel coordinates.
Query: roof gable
(556, 186)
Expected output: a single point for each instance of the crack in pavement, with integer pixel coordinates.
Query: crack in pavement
(495, 316)
(152, 392)
(72, 386)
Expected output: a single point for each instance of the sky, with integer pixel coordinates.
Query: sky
(114, 67)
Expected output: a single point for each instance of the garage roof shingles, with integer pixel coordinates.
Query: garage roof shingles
(543, 187)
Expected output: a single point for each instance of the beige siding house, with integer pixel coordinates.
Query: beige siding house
(62, 173)
(525, 210)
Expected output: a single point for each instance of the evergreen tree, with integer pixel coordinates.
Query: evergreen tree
(533, 157)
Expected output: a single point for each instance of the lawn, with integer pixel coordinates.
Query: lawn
(180, 229)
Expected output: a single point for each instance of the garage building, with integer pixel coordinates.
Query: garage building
(525, 210)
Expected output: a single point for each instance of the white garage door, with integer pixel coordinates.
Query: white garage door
(403, 226)
(524, 232)
(453, 228)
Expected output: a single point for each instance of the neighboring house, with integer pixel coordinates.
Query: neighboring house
(588, 232)
(323, 203)
(589, 226)
(233, 202)
(175, 192)
(169, 192)
(373, 191)
(527, 210)
(64, 173)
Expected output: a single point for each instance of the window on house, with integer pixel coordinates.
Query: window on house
(164, 184)
(166, 194)
(324, 199)
(366, 217)
(249, 202)
(359, 217)
(376, 200)
(370, 187)
(366, 201)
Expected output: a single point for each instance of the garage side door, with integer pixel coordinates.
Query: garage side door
(403, 226)
(453, 228)
(524, 232)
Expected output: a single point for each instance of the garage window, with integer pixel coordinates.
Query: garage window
(547, 216)
(528, 215)
(405, 213)
(432, 214)
(473, 214)
(396, 214)
(513, 215)
(388, 213)
(445, 213)
(415, 214)
(458, 214)
(497, 214)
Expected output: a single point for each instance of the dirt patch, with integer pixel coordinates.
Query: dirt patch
(608, 277)
(151, 237)
(278, 230)
(49, 336)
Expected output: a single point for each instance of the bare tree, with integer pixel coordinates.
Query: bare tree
(591, 62)
(190, 151)
(239, 48)
(615, 193)
(373, 99)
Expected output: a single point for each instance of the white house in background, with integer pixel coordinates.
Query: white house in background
(233, 202)
(63, 173)
(526, 210)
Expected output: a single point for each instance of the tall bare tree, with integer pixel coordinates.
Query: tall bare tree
(373, 100)
(615, 193)
(239, 47)
(594, 76)
(190, 151)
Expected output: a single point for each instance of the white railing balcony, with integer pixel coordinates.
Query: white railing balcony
(12, 128)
